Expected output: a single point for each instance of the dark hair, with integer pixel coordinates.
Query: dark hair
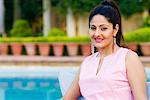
(110, 10)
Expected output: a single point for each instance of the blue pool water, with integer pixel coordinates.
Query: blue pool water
(30, 88)
(34, 83)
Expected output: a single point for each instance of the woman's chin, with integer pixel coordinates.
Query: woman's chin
(100, 46)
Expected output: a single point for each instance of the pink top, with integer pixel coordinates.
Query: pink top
(110, 83)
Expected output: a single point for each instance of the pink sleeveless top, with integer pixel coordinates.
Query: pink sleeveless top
(110, 83)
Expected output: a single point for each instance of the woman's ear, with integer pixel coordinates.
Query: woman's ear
(116, 30)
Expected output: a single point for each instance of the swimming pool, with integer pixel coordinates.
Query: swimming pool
(30, 83)
(35, 83)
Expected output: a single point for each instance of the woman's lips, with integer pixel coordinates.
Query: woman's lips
(98, 40)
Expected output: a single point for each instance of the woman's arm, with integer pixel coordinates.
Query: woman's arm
(74, 91)
(136, 76)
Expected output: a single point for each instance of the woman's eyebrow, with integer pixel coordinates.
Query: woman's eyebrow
(103, 25)
(92, 25)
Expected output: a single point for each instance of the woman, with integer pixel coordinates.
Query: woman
(114, 72)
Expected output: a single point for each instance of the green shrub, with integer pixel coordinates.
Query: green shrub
(29, 39)
(81, 39)
(139, 35)
(52, 39)
(21, 28)
(146, 22)
(10, 39)
(57, 32)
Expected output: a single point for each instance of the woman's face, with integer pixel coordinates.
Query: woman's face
(101, 31)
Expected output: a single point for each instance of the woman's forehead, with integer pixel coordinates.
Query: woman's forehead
(99, 19)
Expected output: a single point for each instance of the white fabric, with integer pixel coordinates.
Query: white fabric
(65, 79)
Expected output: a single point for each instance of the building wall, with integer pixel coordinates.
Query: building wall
(132, 23)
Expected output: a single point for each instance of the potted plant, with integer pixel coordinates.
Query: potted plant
(16, 45)
(144, 40)
(131, 41)
(43, 46)
(72, 45)
(57, 45)
(30, 45)
(141, 37)
(21, 28)
(3, 46)
(85, 45)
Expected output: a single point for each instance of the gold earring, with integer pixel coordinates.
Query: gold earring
(92, 48)
(114, 40)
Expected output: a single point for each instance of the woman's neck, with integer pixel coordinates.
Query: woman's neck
(108, 50)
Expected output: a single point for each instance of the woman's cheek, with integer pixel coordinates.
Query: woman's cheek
(91, 35)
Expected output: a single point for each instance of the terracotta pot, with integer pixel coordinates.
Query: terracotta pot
(72, 49)
(16, 48)
(44, 49)
(86, 49)
(30, 48)
(132, 46)
(58, 49)
(4, 49)
(145, 48)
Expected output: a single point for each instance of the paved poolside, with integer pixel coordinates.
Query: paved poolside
(51, 60)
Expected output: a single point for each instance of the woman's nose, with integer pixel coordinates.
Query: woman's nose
(97, 33)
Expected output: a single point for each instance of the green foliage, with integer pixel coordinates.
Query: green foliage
(57, 32)
(9, 10)
(127, 7)
(146, 22)
(75, 5)
(31, 9)
(71, 39)
(53, 39)
(29, 39)
(140, 35)
(83, 39)
(10, 39)
(21, 28)
(130, 7)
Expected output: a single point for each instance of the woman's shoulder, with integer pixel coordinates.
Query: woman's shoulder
(132, 59)
(131, 54)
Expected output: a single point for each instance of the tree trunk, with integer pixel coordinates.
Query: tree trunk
(82, 26)
(17, 12)
(2, 17)
(71, 31)
(46, 16)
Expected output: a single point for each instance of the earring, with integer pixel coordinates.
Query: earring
(114, 40)
(92, 48)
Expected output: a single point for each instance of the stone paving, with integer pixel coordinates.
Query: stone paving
(51, 61)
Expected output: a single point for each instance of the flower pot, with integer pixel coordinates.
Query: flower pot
(3, 48)
(16, 48)
(72, 49)
(58, 49)
(44, 49)
(132, 46)
(30, 48)
(86, 49)
(145, 48)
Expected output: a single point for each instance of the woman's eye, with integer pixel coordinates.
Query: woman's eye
(104, 28)
(92, 28)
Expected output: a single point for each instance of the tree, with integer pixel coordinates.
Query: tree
(70, 20)
(17, 11)
(46, 16)
(1, 16)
